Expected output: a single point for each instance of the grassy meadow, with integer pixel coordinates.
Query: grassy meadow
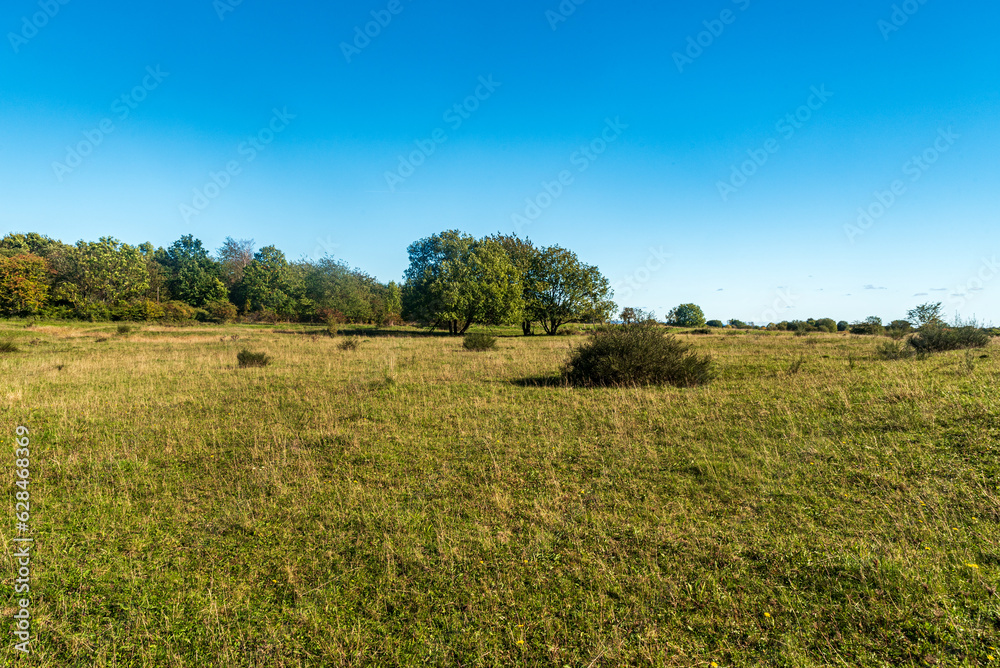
(413, 503)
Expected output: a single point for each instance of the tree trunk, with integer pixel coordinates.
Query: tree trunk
(526, 328)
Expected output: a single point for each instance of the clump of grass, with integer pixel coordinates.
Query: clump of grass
(568, 331)
(941, 339)
(796, 365)
(479, 341)
(124, 330)
(350, 343)
(700, 331)
(8, 347)
(636, 355)
(245, 358)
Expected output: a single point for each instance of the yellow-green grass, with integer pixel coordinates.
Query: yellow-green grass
(414, 503)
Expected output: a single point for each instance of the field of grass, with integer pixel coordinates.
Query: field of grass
(413, 503)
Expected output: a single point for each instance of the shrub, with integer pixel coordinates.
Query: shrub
(350, 343)
(124, 330)
(932, 339)
(701, 331)
(479, 341)
(715, 323)
(842, 326)
(871, 326)
(568, 331)
(177, 311)
(245, 358)
(8, 347)
(636, 355)
(221, 311)
(893, 350)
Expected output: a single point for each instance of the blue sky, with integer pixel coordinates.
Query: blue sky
(683, 176)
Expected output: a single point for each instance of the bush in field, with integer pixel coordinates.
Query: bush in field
(245, 358)
(933, 339)
(221, 311)
(871, 326)
(843, 326)
(124, 330)
(8, 347)
(636, 355)
(177, 311)
(715, 323)
(479, 341)
(686, 315)
(893, 350)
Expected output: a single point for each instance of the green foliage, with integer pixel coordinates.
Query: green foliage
(843, 326)
(828, 325)
(246, 358)
(479, 341)
(561, 289)
(894, 350)
(737, 324)
(221, 311)
(177, 311)
(935, 338)
(686, 315)
(870, 326)
(98, 275)
(124, 330)
(930, 313)
(455, 280)
(7, 346)
(636, 355)
(715, 323)
(24, 284)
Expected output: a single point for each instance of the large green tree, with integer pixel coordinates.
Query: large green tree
(455, 280)
(686, 315)
(563, 289)
(524, 256)
(193, 276)
(107, 272)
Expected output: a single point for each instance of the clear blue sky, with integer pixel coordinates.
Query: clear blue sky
(772, 247)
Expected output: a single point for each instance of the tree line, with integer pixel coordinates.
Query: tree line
(453, 281)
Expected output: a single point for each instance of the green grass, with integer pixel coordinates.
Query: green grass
(412, 504)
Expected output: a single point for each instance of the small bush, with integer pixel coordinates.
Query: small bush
(636, 355)
(124, 330)
(8, 347)
(941, 339)
(480, 341)
(700, 331)
(245, 358)
(893, 350)
(221, 311)
(350, 343)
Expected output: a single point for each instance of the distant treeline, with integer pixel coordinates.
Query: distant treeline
(111, 280)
